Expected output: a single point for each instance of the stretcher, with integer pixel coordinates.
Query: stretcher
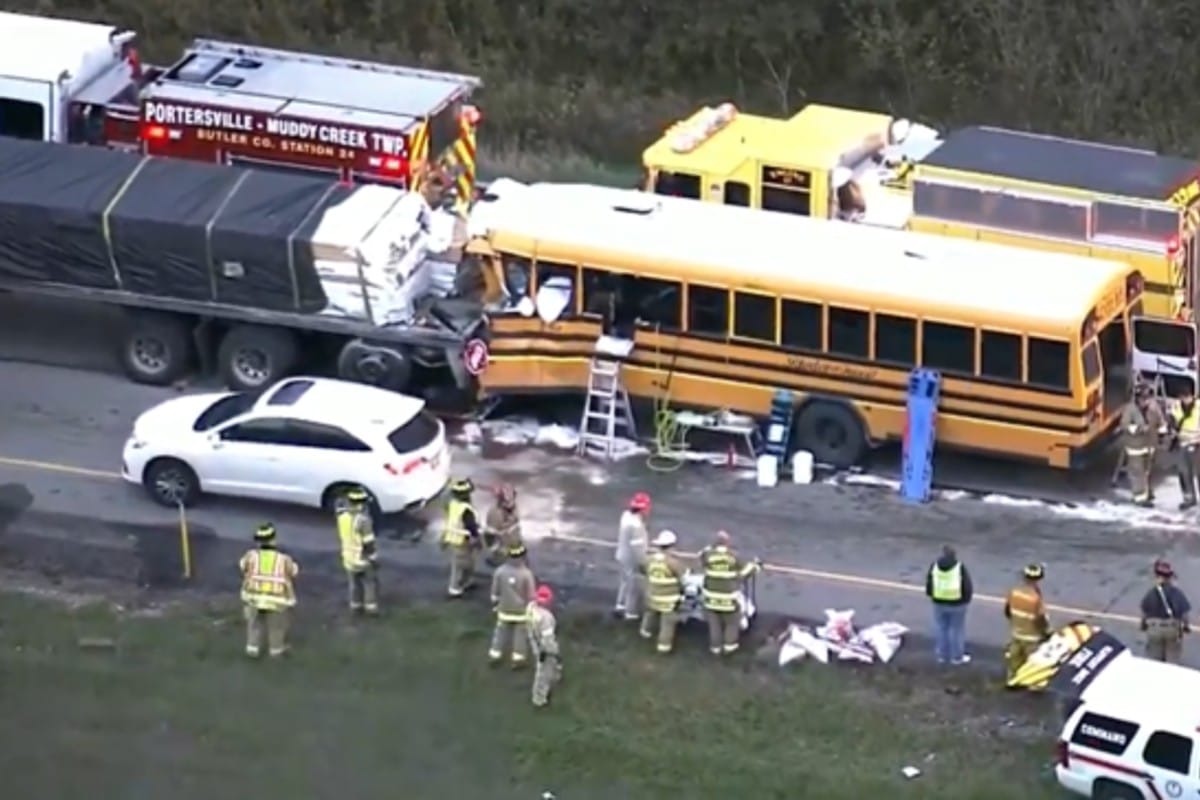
(692, 606)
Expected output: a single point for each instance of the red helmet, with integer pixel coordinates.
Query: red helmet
(544, 595)
(1162, 568)
(640, 502)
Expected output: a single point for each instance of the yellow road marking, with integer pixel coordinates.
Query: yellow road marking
(780, 569)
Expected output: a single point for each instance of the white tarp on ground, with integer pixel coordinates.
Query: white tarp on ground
(838, 639)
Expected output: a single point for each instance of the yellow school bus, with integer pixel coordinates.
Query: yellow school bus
(1069, 196)
(990, 184)
(806, 165)
(726, 305)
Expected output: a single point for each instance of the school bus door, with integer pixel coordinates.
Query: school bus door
(1165, 350)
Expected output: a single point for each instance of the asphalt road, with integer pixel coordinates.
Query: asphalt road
(64, 415)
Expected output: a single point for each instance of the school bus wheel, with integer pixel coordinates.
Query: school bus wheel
(832, 431)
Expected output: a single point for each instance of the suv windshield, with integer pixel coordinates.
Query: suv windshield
(224, 409)
(418, 432)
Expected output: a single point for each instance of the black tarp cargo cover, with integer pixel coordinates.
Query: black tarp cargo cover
(106, 219)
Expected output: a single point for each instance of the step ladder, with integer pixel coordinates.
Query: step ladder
(779, 424)
(607, 411)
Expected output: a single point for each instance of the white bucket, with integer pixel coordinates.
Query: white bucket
(802, 467)
(768, 471)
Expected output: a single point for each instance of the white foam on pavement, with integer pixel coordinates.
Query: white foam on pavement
(527, 431)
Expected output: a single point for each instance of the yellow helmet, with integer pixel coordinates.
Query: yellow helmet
(1035, 572)
(357, 495)
(462, 486)
(517, 551)
(265, 533)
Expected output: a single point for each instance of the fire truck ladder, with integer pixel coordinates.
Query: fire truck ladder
(235, 50)
(606, 409)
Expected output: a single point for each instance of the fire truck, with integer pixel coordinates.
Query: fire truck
(84, 83)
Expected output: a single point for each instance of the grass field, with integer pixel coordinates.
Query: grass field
(405, 707)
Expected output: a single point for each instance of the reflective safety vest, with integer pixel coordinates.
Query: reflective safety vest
(355, 531)
(947, 584)
(267, 580)
(455, 534)
(721, 577)
(1026, 614)
(1188, 422)
(665, 589)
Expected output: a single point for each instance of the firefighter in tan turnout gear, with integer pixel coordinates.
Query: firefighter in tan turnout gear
(268, 593)
(664, 592)
(1028, 624)
(632, 539)
(502, 525)
(461, 537)
(723, 576)
(1141, 426)
(1185, 422)
(356, 532)
(540, 625)
(513, 588)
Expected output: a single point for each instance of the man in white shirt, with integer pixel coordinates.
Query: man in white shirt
(632, 540)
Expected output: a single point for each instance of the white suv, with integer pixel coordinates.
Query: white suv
(302, 441)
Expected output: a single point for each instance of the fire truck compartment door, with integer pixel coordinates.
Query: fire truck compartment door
(1165, 349)
(21, 100)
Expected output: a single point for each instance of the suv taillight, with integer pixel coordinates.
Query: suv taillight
(1062, 754)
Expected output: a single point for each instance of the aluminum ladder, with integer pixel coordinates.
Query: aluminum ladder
(606, 410)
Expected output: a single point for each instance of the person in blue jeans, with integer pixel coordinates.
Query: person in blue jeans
(948, 585)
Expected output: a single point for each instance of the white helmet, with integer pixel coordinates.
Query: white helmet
(665, 539)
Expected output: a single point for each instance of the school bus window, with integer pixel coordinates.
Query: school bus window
(1049, 363)
(677, 184)
(737, 193)
(849, 332)
(1091, 364)
(708, 310)
(1123, 221)
(1014, 212)
(659, 303)
(516, 276)
(1000, 356)
(753, 316)
(599, 288)
(895, 340)
(566, 274)
(788, 201)
(950, 348)
(802, 325)
(943, 201)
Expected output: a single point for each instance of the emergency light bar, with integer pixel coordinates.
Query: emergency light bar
(707, 123)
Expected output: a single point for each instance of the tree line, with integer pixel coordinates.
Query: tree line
(605, 77)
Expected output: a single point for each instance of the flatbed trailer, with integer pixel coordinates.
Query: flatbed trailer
(246, 271)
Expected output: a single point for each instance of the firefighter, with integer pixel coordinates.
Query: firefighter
(1185, 419)
(1141, 426)
(1028, 624)
(540, 625)
(502, 525)
(461, 537)
(631, 556)
(513, 588)
(268, 593)
(723, 575)
(356, 532)
(664, 591)
(1165, 610)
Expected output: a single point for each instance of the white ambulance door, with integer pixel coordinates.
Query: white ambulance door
(1165, 350)
(27, 108)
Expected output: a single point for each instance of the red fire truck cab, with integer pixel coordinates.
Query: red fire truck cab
(64, 80)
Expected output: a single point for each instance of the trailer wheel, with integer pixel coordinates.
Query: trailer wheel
(385, 367)
(252, 357)
(157, 348)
